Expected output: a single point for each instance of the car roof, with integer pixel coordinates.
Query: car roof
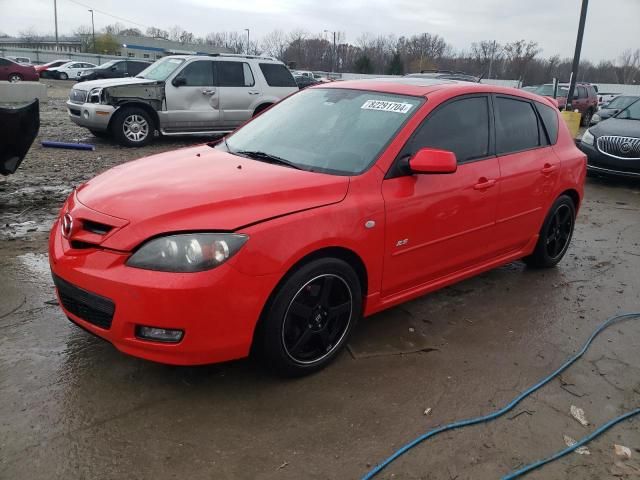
(421, 87)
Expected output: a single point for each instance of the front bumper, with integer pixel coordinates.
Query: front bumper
(217, 309)
(90, 115)
(598, 162)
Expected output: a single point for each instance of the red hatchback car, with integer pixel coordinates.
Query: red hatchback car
(279, 238)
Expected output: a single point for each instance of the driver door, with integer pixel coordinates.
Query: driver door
(193, 101)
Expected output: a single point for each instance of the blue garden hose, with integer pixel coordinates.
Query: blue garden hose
(492, 416)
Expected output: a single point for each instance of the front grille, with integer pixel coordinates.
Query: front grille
(625, 148)
(77, 96)
(96, 227)
(88, 306)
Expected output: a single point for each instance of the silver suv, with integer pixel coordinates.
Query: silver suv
(180, 95)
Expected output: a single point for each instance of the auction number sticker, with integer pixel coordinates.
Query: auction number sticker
(385, 106)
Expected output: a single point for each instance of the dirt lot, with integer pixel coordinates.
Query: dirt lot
(71, 406)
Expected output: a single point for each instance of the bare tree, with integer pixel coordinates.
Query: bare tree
(629, 64)
(275, 44)
(520, 54)
(114, 29)
(157, 33)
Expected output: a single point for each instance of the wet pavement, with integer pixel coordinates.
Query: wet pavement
(71, 406)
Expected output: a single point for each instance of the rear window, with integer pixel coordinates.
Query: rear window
(277, 75)
(550, 120)
(516, 126)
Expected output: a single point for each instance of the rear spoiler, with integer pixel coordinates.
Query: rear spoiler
(19, 129)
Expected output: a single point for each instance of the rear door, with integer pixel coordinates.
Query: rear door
(439, 224)
(237, 91)
(193, 101)
(529, 170)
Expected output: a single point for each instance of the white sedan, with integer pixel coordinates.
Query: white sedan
(70, 70)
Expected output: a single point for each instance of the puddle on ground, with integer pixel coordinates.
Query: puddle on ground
(36, 263)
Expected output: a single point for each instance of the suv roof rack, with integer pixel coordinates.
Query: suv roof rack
(235, 55)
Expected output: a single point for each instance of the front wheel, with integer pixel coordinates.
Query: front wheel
(132, 127)
(311, 317)
(555, 234)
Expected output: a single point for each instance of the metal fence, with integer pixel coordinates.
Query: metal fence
(43, 56)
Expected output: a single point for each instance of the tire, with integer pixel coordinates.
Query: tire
(310, 317)
(100, 133)
(132, 127)
(555, 235)
(586, 118)
(15, 77)
(63, 76)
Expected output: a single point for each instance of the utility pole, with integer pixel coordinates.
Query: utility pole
(93, 31)
(335, 54)
(576, 55)
(248, 43)
(55, 19)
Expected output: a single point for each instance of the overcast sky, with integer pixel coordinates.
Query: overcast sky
(612, 25)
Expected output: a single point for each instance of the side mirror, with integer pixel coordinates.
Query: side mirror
(179, 81)
(433, 160)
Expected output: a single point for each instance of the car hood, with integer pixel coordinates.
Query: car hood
(615, 126)
(109, 82)
(200, 188)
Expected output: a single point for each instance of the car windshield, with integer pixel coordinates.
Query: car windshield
(350, 129)
(621, 102)
(632, 112)
(161, 69)
(547, 91)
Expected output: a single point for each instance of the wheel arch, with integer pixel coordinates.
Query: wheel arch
(573, 195)
(346, 254)
(145, 106)
(261, 107)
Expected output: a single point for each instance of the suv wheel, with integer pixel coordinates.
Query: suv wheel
(555, 234)
(311, 317)
(15, 77)
(132, 127)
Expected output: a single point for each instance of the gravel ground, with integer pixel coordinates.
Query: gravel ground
(73, 407)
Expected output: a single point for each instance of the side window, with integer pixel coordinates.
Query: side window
(233, 74)
(75, 65)
(461, 127)
(136, 67)
(550, 119)
(121, 67)
(277, 75)
(4, 63)
(582, 92)
(516, 126)
(198, 74)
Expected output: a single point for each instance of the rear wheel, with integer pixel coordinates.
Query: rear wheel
(132, 127)
(311, 317)
(15, 77)
(63, 76)
(555, 234)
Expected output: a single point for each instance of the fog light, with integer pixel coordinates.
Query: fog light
(159, 334)
(85, 114)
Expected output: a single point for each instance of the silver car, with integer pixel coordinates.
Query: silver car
(180, 95)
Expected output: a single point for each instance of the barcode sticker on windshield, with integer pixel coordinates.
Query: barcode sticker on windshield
(385, 106)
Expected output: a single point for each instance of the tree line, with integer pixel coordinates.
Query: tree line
(391, 54)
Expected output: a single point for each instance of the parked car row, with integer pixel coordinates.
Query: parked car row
(585, 98)
(12, 71)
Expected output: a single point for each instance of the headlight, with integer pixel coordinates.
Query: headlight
(596, 118)
(94, 95)
(587, 137)
(192, 252)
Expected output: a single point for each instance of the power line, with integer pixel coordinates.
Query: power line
(109, 14)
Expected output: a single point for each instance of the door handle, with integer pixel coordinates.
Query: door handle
(209, 92)
(484, 183)
(548, 168)
(253, 92)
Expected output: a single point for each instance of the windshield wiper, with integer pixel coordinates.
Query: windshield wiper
(266, 157)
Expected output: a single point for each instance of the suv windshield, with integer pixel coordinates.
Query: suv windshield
(621, 102)
(161, 69)
(349, 129)
(632, 112)
(547, 91)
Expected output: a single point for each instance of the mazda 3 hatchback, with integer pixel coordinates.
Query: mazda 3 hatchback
(279, 238)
